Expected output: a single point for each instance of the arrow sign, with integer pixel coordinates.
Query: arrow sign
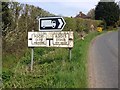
(51, 24)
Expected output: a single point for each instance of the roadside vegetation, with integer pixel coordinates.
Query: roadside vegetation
(52, 67)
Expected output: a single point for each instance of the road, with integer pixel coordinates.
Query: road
(103, 61)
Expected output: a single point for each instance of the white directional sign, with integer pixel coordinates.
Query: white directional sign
(60, 38)
(37, 38)
(51, 24)
(50, 39)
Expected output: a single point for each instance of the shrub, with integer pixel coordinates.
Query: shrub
(6, 75)
(80, 25)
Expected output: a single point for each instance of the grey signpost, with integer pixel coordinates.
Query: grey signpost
(50, 35)
(32, 56)
(70, 54)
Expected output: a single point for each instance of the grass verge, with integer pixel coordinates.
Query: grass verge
(52, 68)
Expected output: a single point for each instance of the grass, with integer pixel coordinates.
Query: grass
(52, 68)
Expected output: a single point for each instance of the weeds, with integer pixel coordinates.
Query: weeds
(52, 68)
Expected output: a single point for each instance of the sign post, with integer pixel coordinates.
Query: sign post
(70, 55)
(50, 35)
(32, 56)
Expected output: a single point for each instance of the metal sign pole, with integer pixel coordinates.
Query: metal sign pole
(70, 54)
(32, 56)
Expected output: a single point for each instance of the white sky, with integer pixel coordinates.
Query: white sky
(64, 7)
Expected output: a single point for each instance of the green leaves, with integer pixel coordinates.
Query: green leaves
(80, 25)
(107, 11)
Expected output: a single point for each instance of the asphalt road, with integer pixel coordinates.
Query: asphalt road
(103, 61)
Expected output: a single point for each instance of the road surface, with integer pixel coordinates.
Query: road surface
(103, 61)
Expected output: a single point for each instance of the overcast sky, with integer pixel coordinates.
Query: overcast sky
(64, 7)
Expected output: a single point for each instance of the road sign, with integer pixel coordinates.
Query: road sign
(50, 39)
(51, 24)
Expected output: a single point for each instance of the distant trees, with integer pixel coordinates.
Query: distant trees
(14, 12)
(17, 20)
(108, 12)
(91, 14)
(6, 16)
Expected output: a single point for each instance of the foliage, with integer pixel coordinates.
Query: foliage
(6, 75)
(52, 68)
(6, 17)
(22, 18)
(118, 23)
(70, 24)
(80, 25)
(107, 11)
(91, 13)
(51, 65)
